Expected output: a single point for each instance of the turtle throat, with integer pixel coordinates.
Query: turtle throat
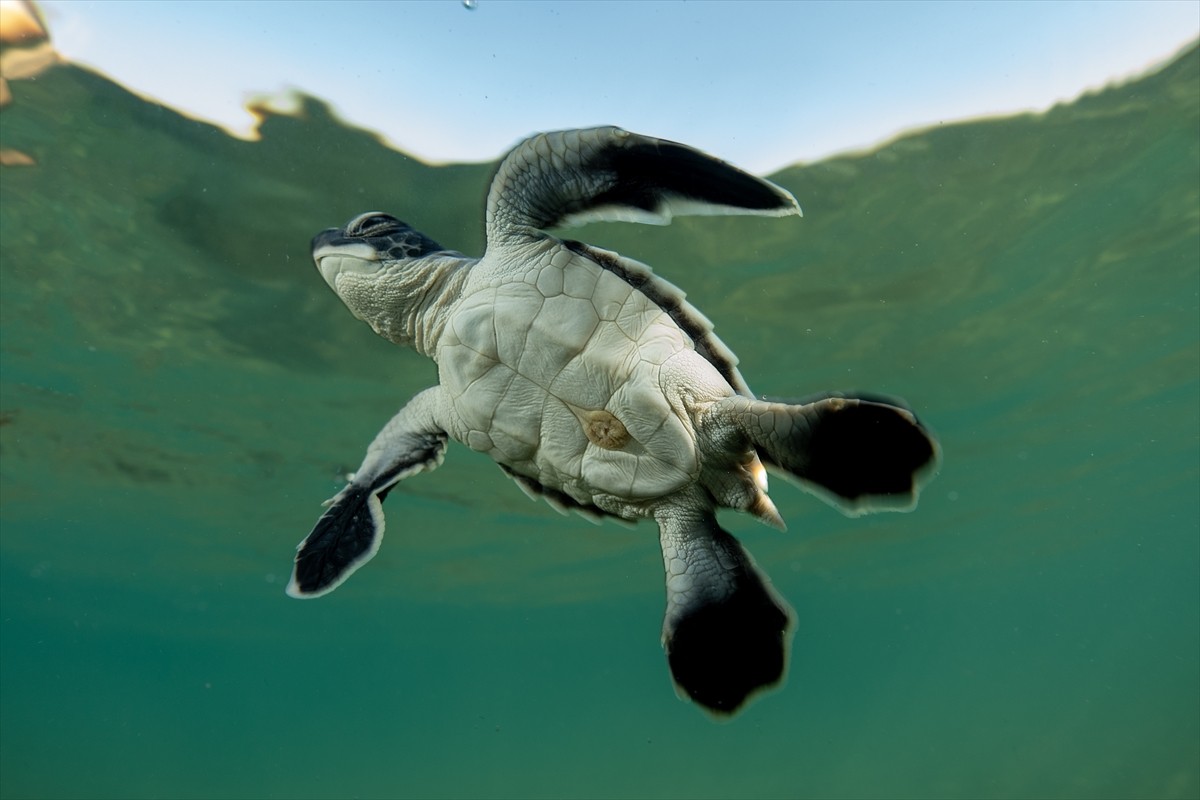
(404, 302)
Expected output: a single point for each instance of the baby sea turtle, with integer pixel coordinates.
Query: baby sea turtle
(597, 387)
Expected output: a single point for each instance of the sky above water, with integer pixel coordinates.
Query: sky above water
(764, 84)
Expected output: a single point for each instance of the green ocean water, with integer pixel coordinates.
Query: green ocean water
(179, 391)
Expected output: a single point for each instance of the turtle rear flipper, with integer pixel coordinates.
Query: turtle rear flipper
(860, 454)
(349, 534)
(724, 630)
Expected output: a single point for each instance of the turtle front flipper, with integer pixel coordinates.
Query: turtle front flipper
(725, 629)
(579, 176)
(349, 534)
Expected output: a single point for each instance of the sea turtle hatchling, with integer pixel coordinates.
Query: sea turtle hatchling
(597, 387)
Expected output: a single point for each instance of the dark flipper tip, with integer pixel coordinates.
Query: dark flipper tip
(869, 449)
(344, 538)
(721, 654)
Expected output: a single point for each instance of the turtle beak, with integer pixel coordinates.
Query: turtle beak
(334, 253)
(324, 238)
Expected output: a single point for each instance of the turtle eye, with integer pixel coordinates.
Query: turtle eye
(373, 223)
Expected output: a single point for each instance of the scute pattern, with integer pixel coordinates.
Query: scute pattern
(600, 345)
(671, 301)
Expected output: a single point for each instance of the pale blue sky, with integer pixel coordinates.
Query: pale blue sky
(762, 84)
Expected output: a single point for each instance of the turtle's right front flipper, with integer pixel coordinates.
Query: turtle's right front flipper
(349, 533)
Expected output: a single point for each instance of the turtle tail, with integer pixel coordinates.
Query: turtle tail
(861, 454)
(725, 629)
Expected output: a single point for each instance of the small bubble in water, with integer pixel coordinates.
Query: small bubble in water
(470, 5)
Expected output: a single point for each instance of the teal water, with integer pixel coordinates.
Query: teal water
(180, 391)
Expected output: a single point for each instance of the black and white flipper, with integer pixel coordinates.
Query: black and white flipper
(860, 454)
(349, 534)
(725, 629)
(575, 177)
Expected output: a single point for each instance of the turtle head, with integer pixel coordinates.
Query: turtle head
(386, 272)
(369, 243)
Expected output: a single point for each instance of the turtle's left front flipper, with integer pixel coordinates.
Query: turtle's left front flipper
(349, 533)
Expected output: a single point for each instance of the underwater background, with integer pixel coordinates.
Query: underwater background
(180, 391)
